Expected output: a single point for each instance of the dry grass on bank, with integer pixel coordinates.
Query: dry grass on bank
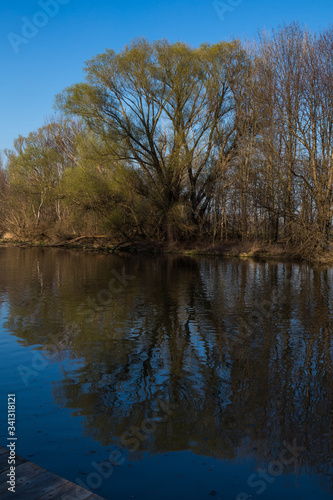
(239, 249)
(243, 249)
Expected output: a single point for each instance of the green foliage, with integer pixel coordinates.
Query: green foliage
(168, 142)
(35, 169)
(164, 109)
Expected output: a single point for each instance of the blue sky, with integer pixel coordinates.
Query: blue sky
(34, 69)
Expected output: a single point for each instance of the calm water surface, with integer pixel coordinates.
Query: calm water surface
(200, 377)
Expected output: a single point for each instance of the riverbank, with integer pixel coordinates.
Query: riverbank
(236, 249)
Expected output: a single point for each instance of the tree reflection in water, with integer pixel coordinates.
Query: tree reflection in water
(172, 333)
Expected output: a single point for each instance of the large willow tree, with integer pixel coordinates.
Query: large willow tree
(167, 113)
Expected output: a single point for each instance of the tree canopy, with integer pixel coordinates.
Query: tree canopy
(171, 143)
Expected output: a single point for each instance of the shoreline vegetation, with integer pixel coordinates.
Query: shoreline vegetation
(231, 249)
(223, 149)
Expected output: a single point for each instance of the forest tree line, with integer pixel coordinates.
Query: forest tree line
(164, 142)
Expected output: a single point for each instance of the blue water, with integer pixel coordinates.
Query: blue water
(229, 409)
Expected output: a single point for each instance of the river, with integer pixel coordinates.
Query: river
(159, 377)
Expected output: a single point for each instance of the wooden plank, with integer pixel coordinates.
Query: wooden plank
(35, 487)
(4, 454)
(36, 483)
(66, 492)
(70, 491)
(27, 471)
(23, 473)
(4, 462)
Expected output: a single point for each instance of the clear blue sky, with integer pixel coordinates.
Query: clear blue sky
(55, 54)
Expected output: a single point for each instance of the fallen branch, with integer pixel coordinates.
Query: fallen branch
(64, 243)
(112, 250)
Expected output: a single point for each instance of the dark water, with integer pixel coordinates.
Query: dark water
(198, 377)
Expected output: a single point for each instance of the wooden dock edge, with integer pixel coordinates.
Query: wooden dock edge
(35, 483)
